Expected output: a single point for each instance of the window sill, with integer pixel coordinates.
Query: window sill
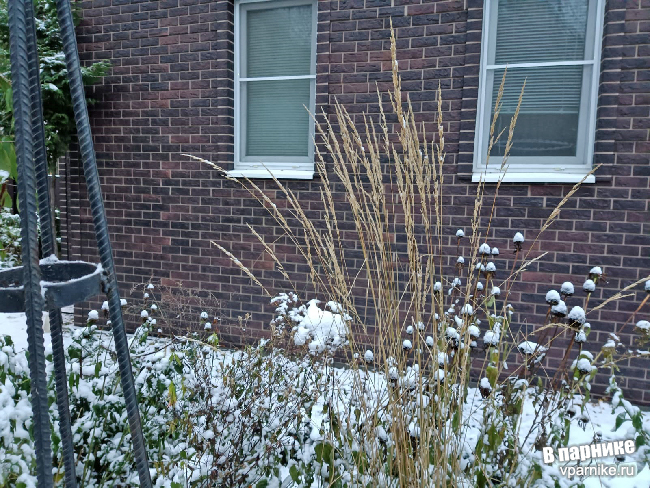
(551, 177)
(280, 174)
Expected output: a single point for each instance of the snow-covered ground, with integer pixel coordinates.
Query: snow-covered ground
(601, 418)
(14, 324)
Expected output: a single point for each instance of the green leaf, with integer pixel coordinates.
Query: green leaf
(293, 471)
(640, 441)
(620, 418)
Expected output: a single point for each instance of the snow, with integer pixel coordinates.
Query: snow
(479, 286)
(643, 325)
(518, 238)
(467, 310)
(647, 286)
(14, 324)
(484, 249)
(496, 291)
(589, 286)
(407, 344)
(460, 260)
(529, 347)
(596, 270)
(577, 314)
(460, 233)
(584, 365)
(601, 416)
(490, 267)
(368, 356)
(559, 309)
(322, 328)
(474, 331)
(409, 330)
(495, 251)
(552, 297)
(581, 337)
(93, 315)
(567, 288)
(491, 337)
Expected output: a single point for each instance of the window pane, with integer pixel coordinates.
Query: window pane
(541, 30)
(278, 123)
(279, 41)
(548, 118)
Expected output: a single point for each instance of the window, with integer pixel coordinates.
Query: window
(554, 45)
(275, 84)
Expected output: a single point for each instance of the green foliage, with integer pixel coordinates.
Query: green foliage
(57, 105)
(9, 239)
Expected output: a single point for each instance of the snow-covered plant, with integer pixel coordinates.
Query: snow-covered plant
(9, 238)
(415, 432)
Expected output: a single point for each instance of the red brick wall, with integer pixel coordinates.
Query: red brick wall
(171, 92)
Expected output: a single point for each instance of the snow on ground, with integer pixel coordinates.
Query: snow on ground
(14, 324)
(600, 415)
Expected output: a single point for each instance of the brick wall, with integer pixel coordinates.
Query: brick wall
(170, 92)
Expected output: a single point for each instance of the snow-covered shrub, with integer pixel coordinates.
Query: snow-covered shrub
(9, 239)
(423, 425)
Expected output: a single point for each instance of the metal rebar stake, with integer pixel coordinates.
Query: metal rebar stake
(19, 56)
(48, 246)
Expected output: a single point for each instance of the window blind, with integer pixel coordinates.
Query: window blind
(278, 41)
(541, 30)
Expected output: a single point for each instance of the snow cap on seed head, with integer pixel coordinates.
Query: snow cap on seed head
(643, 325)
(467, 309)
(495, 251)
(596, 271)
(576, 317)
(559, 310)
(460, 233)
(484, 249)
(496, 291)
(647, 286)
(552, 297)
(589, 286)
(567, 288)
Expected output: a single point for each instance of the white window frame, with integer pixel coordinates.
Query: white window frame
(537, 173)
(268, 167)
